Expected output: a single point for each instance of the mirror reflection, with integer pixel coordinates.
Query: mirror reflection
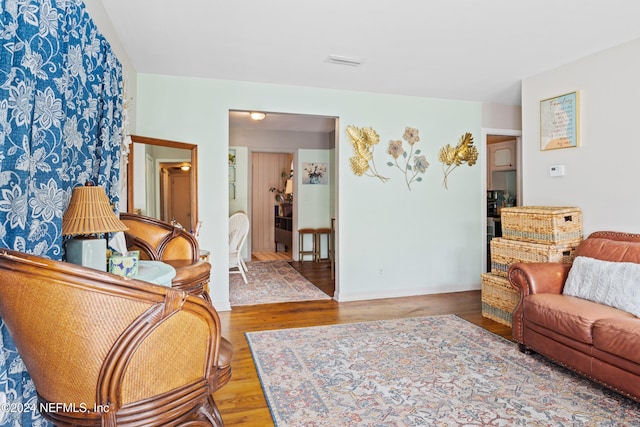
(162, 180)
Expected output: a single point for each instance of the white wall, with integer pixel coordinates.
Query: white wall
(279, 140)
(314, 202)
(391, 241)
(602, 174)
(241, 201)
(140, 184)
(500, 116)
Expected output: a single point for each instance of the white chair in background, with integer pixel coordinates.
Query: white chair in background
(238, 231)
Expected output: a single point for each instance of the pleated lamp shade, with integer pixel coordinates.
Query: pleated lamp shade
(89, 212)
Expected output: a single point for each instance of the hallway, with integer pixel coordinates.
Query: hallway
(318, 273)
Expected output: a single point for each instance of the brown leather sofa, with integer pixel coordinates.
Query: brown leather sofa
(105, 350)
(160, 241)
(596, 340)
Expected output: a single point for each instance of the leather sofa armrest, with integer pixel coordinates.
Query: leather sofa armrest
(534, 278)
(538, 277)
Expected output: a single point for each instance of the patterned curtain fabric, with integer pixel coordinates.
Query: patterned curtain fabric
(60, 126)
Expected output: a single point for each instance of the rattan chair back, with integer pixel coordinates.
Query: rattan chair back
(106, 350)
(158, 240)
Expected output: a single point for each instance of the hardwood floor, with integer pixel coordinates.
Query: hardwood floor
(271, 256)
(318, 273)
(242, 402)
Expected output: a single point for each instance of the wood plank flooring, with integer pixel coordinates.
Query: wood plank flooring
(271, 256)
(242, 402)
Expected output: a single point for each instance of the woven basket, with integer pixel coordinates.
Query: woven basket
(549, 225)
(505, 252)
(499, 299)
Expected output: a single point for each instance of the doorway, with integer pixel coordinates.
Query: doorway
(503, 180)
(175, 193)
(271, 227)
(306, 138)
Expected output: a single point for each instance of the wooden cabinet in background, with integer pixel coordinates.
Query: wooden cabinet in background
(282, 232)
(502, 158)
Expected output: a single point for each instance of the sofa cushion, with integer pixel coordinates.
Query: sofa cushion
(618, 336)
(570, 316)
(616, 284)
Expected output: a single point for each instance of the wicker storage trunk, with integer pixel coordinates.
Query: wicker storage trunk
(505, 252)
(499, 299)
(550, 225)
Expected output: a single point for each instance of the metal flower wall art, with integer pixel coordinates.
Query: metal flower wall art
(403, 160)
(452, 157)
(363, 141)
(410, 162)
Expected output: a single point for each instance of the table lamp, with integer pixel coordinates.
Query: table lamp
(89, 214)
(288, 189)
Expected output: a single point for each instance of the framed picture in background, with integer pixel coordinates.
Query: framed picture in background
(315, 173)
(559, 122)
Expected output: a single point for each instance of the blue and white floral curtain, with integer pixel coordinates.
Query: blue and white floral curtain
(60, 126)
(60, 118)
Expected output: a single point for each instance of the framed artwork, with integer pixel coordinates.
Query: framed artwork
(315, 173)
(559, 122)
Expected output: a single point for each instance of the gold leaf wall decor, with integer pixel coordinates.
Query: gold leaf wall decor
(452, 157)
(363, 141)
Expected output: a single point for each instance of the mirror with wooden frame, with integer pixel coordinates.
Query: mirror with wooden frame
(162, 180)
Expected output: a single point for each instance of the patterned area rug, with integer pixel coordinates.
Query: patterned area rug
(271, 282)
(429, 371)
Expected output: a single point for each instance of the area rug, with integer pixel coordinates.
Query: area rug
(428, 371)
(271, 282)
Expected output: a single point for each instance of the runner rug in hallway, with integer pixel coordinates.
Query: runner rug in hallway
(271, 282)
(428, 371)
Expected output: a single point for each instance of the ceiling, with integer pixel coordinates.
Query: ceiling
(454, 49)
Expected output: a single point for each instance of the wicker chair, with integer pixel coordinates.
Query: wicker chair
(105, 350)
(160, 241)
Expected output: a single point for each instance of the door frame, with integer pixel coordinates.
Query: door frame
(294, 226)
(517, 134)
(166, 190)
(334, 180)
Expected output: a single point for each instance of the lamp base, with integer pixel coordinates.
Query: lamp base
(87, 252)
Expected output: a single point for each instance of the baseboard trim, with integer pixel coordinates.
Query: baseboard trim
(222, 305)
(399, 293)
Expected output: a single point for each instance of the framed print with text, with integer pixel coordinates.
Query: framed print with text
(559, 122)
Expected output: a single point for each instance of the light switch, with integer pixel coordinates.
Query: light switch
(556, 170)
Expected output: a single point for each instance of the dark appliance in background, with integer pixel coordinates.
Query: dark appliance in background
(494, 199)
(494, 223)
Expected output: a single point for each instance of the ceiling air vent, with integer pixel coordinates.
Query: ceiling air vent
(343, 60)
